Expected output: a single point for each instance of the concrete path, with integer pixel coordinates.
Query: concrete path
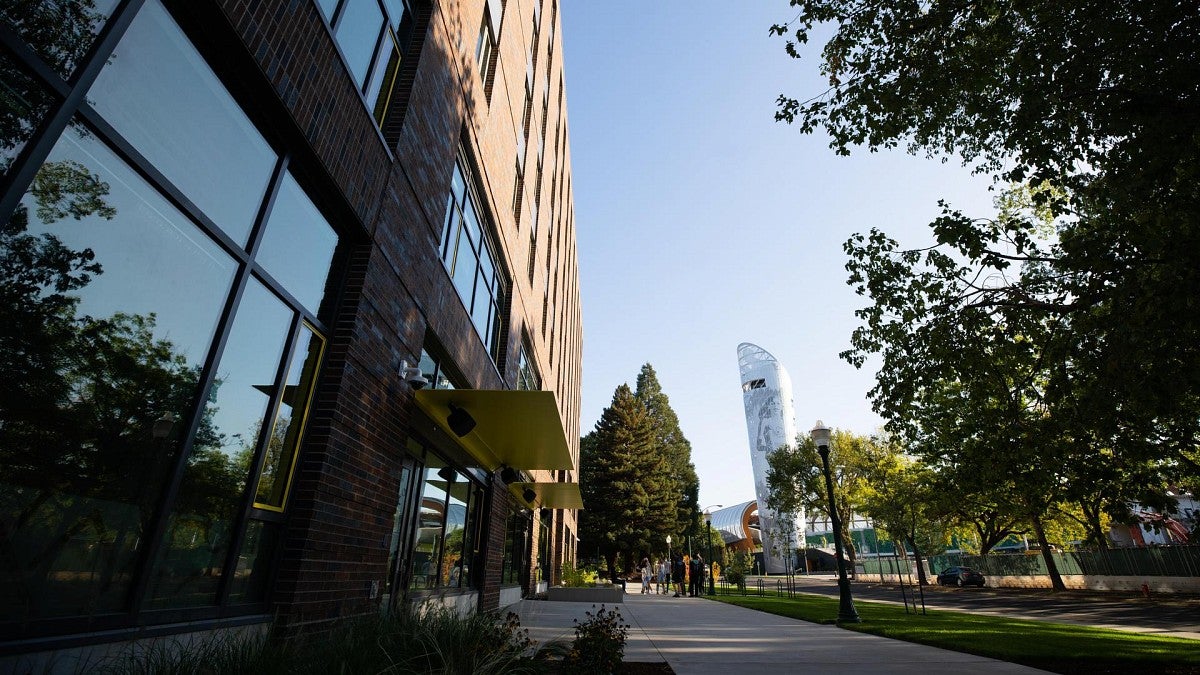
(699, 636)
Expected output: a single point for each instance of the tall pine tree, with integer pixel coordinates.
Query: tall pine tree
(623, 481)
(678, 512)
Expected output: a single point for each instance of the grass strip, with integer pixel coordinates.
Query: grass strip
(1057, 647)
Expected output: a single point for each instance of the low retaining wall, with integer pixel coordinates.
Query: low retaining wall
(602, 594)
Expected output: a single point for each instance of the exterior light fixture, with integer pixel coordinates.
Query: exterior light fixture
(413, 375)
(529, 495)
(846, 612)
(460, 421)
(508, 475)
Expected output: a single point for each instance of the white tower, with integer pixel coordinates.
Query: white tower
(771, 423)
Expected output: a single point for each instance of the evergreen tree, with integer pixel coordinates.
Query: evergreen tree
(678, 513)
(622, 481)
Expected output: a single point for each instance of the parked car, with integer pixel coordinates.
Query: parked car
(960, 576)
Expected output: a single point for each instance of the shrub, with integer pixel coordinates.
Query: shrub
(574, 577)
(735, 571)
(599, 643)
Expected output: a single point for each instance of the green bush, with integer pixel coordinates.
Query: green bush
(575, 578)
(599, 643)
(735, 571)
(413, 639)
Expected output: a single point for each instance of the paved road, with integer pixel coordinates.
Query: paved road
(1177, 616)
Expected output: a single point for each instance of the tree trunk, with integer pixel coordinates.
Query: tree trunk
(921, 578)
(1056, 581)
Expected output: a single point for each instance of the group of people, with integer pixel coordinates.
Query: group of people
(665, 575)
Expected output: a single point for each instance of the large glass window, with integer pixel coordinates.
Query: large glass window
(527, 377)
(193, 556)
(469, 256)
(163, 98)
(445, 545)
(60, 31)
(516, 547)
(369, 33)
(99, 355)
(23, 104)
(139, 347)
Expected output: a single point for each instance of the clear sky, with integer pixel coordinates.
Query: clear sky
(703, 223)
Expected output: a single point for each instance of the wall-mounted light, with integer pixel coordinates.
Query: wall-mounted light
(529, 495)
(413, 375)
(447, 474)
(508, 475)
(460, 421)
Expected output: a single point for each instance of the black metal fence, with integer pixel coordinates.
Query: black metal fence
(1163, 561)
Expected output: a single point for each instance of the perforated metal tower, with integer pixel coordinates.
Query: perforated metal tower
(770, 423)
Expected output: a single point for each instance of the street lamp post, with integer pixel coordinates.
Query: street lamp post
(846, 612)
(669, 549)
(712, 588)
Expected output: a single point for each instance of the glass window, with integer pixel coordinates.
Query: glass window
(161, 96)
(455, 563)
(23, 104)
(102, 357)
(370, 35)
(399, 551)
(433, 371)
(516, 545)
(357, 34)
(470, 258)
(485, 48)
(298, 245)
(274, 480)
(527, 377)
(193, 555)
(431, 521)
(249, 582)
(60, 32)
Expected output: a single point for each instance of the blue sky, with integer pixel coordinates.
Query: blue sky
(703, 223)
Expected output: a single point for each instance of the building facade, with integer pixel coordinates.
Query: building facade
(291, 313)
(770, 424)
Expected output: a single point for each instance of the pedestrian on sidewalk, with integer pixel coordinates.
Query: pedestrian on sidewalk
(647, 574)
(664, 576)
(677, 574)
(696, 580)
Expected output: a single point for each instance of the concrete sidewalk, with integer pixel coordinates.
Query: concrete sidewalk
(696, 635)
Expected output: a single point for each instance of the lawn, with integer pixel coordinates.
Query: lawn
(1062, 648)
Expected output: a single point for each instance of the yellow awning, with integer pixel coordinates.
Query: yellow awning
(553, 495)
(521, 429)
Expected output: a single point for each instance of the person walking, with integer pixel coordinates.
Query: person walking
(664, 576)
(677, 574)
(696, 581)
(647, 574)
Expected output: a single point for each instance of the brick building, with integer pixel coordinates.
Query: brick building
(291, 312)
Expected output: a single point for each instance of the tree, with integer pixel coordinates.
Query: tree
(1107, 137)
(679, 515)
(623, 481)
(901, 501)
(795, 480)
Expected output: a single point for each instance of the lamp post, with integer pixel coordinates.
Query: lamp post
(846, 612)
(712, 589)
(669, 558)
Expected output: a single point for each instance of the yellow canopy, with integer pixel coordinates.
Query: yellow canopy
(553, 495)
(521, 429)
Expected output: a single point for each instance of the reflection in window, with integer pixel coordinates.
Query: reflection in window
(284, 440)
(468, 253)
(431, 521)
(298, 245)
(23, 104)
(161, 96)
(527, 377)
(193, 556)
(96, 375)
(433, 371)
(60, 31)
(516, 544)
